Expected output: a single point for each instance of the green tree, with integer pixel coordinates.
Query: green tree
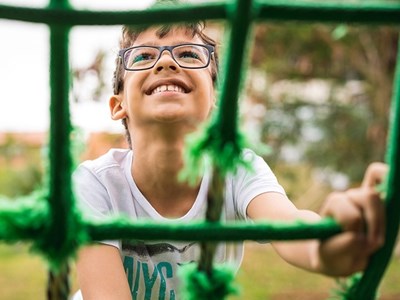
(353, 128)
(20, 167)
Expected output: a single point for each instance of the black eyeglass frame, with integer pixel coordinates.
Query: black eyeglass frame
(122, 52)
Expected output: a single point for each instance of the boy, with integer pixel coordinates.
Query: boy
(163, 90)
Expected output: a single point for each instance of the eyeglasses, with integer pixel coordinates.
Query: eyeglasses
(188, 56)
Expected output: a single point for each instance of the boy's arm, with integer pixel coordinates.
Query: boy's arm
(359, 211)
(101, 274)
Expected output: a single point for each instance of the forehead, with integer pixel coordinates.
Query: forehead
(171, 36)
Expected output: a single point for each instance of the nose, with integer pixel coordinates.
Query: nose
(166, 62)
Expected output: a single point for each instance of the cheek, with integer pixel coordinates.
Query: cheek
(131, 99)
(209, 103)
(207, 82)
(132, 88)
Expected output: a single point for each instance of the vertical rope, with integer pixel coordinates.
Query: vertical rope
(213, 214)
(60, 226)
(367, 286)
(221, 139)
(226, 123)
(58, 285)
(241, 15)
(207, 281)
(60, 192)
(61, 4)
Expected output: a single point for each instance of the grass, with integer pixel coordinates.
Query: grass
(263, 276)
(266, 276)
(22, 275)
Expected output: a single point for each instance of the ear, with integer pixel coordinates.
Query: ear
(214, 104)
(214, 99)
(117, 108)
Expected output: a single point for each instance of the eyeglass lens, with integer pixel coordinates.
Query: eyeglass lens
(190, 56)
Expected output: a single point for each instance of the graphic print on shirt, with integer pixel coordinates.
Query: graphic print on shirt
(151, 268)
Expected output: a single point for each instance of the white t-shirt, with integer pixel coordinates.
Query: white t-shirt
(105, 187)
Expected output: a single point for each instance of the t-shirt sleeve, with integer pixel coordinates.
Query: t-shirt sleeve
(248, 184)
(92, 197)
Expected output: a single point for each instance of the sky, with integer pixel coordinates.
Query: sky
(24, 75)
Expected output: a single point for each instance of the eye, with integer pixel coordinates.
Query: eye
(189, 54)
(141, 57)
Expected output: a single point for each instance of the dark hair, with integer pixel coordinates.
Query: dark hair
(131, 33)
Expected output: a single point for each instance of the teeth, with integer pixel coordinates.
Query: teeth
(169, 87)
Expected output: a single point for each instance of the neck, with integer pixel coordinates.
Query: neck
(158, 159)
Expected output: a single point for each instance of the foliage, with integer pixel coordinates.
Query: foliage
(331, 134)
(343, 140)
(355, 65)
(20, 167)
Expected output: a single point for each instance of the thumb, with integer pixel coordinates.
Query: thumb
(374, 174)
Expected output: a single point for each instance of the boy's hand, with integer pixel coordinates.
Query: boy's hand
(361, 213)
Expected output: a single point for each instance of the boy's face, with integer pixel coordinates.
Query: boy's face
(190, 95)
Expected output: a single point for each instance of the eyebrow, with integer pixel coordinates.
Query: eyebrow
(157, 45)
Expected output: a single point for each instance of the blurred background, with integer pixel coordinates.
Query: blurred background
(317, 95)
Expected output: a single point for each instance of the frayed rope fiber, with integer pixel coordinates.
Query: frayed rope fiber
(200, 285)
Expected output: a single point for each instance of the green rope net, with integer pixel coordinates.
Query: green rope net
(55, 227)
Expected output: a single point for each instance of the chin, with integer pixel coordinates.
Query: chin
(170, 117)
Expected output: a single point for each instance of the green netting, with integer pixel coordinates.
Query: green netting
(54, 225)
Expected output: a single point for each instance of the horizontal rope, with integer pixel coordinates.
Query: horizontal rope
(365, 12)
(272, 10)
(22, 220)
(237, 231)
(134, 17)
(27, 221)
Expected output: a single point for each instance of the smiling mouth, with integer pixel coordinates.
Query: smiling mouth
(168, 85)
(167, 88)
